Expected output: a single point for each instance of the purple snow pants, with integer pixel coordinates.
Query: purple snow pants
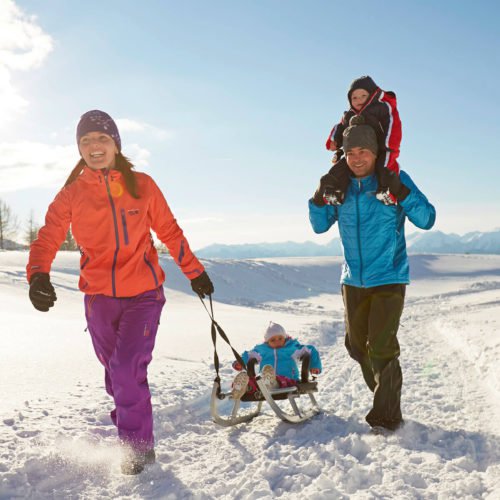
(123, 332)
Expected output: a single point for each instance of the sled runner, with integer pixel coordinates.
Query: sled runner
(271, 396)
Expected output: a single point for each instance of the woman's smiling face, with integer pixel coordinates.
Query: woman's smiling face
(98, 150)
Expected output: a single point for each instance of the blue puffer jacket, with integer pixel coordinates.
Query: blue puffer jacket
(284, 359)
(372, 233)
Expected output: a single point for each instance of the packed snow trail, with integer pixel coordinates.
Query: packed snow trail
(57, 441)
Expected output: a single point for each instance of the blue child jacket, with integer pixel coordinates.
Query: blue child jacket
(284, 359)
(372, 233)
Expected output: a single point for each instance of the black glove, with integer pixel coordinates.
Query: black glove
(42, 293)
(333, 185)
(390, 179)
(317, 198)
(202, 285)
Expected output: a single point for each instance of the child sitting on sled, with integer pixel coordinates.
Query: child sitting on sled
(379, 109)
(277, 356)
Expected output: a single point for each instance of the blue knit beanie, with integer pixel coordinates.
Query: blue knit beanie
(98, 121)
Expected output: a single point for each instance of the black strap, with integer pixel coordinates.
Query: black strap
(215, 327)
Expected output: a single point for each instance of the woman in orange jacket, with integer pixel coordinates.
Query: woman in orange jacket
(111, 210)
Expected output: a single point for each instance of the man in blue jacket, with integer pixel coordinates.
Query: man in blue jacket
(375, 270)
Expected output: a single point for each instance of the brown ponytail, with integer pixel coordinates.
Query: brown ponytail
(75, 172)
(122, 164)
(125, 166)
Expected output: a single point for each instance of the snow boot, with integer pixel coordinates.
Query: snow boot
(134, 461)
(268, 376)
(380, 430)
(240, 385)
(335, 194)
(386, 411)
(383, 193)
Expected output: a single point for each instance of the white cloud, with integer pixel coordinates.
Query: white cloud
(26, 164)
(138, 156)
(32, 164)
(128, 125)
(23, 46)
(10, 100)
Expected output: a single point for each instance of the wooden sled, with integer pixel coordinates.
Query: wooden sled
(292, 394)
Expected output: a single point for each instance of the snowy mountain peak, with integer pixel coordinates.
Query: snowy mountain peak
(476, 242)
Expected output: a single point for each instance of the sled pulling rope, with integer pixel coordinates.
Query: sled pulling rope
(264, 393)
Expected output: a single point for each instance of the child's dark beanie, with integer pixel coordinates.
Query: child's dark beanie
(363, 82)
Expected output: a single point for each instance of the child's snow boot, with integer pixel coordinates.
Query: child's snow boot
(334, 194)
(268, 376)
(240, 384)
(383, 193)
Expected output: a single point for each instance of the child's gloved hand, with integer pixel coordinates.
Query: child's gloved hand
(237, 366)
(333, 146)
(315, 371)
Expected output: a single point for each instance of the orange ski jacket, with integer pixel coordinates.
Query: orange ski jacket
(112, 229)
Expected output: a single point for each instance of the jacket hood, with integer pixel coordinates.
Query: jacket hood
(365, 83)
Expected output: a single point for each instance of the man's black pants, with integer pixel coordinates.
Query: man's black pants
(372, 320)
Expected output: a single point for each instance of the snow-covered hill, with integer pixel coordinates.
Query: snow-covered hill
(57, 441)
(418, 242)
(266, 250)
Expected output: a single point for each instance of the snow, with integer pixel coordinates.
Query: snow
(57, 440)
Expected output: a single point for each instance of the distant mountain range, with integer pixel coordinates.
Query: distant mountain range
(476, 242)
(426, 242)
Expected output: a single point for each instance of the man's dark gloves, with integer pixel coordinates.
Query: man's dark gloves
(42, 293)
(317, 198)
(391, 180)
(333, 185)
(202, 285)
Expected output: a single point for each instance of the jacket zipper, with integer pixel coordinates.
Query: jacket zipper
(124, 224)
(117, 238)
(358, 227)
(146, 260)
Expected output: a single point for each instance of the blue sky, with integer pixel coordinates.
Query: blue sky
(227, 104)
